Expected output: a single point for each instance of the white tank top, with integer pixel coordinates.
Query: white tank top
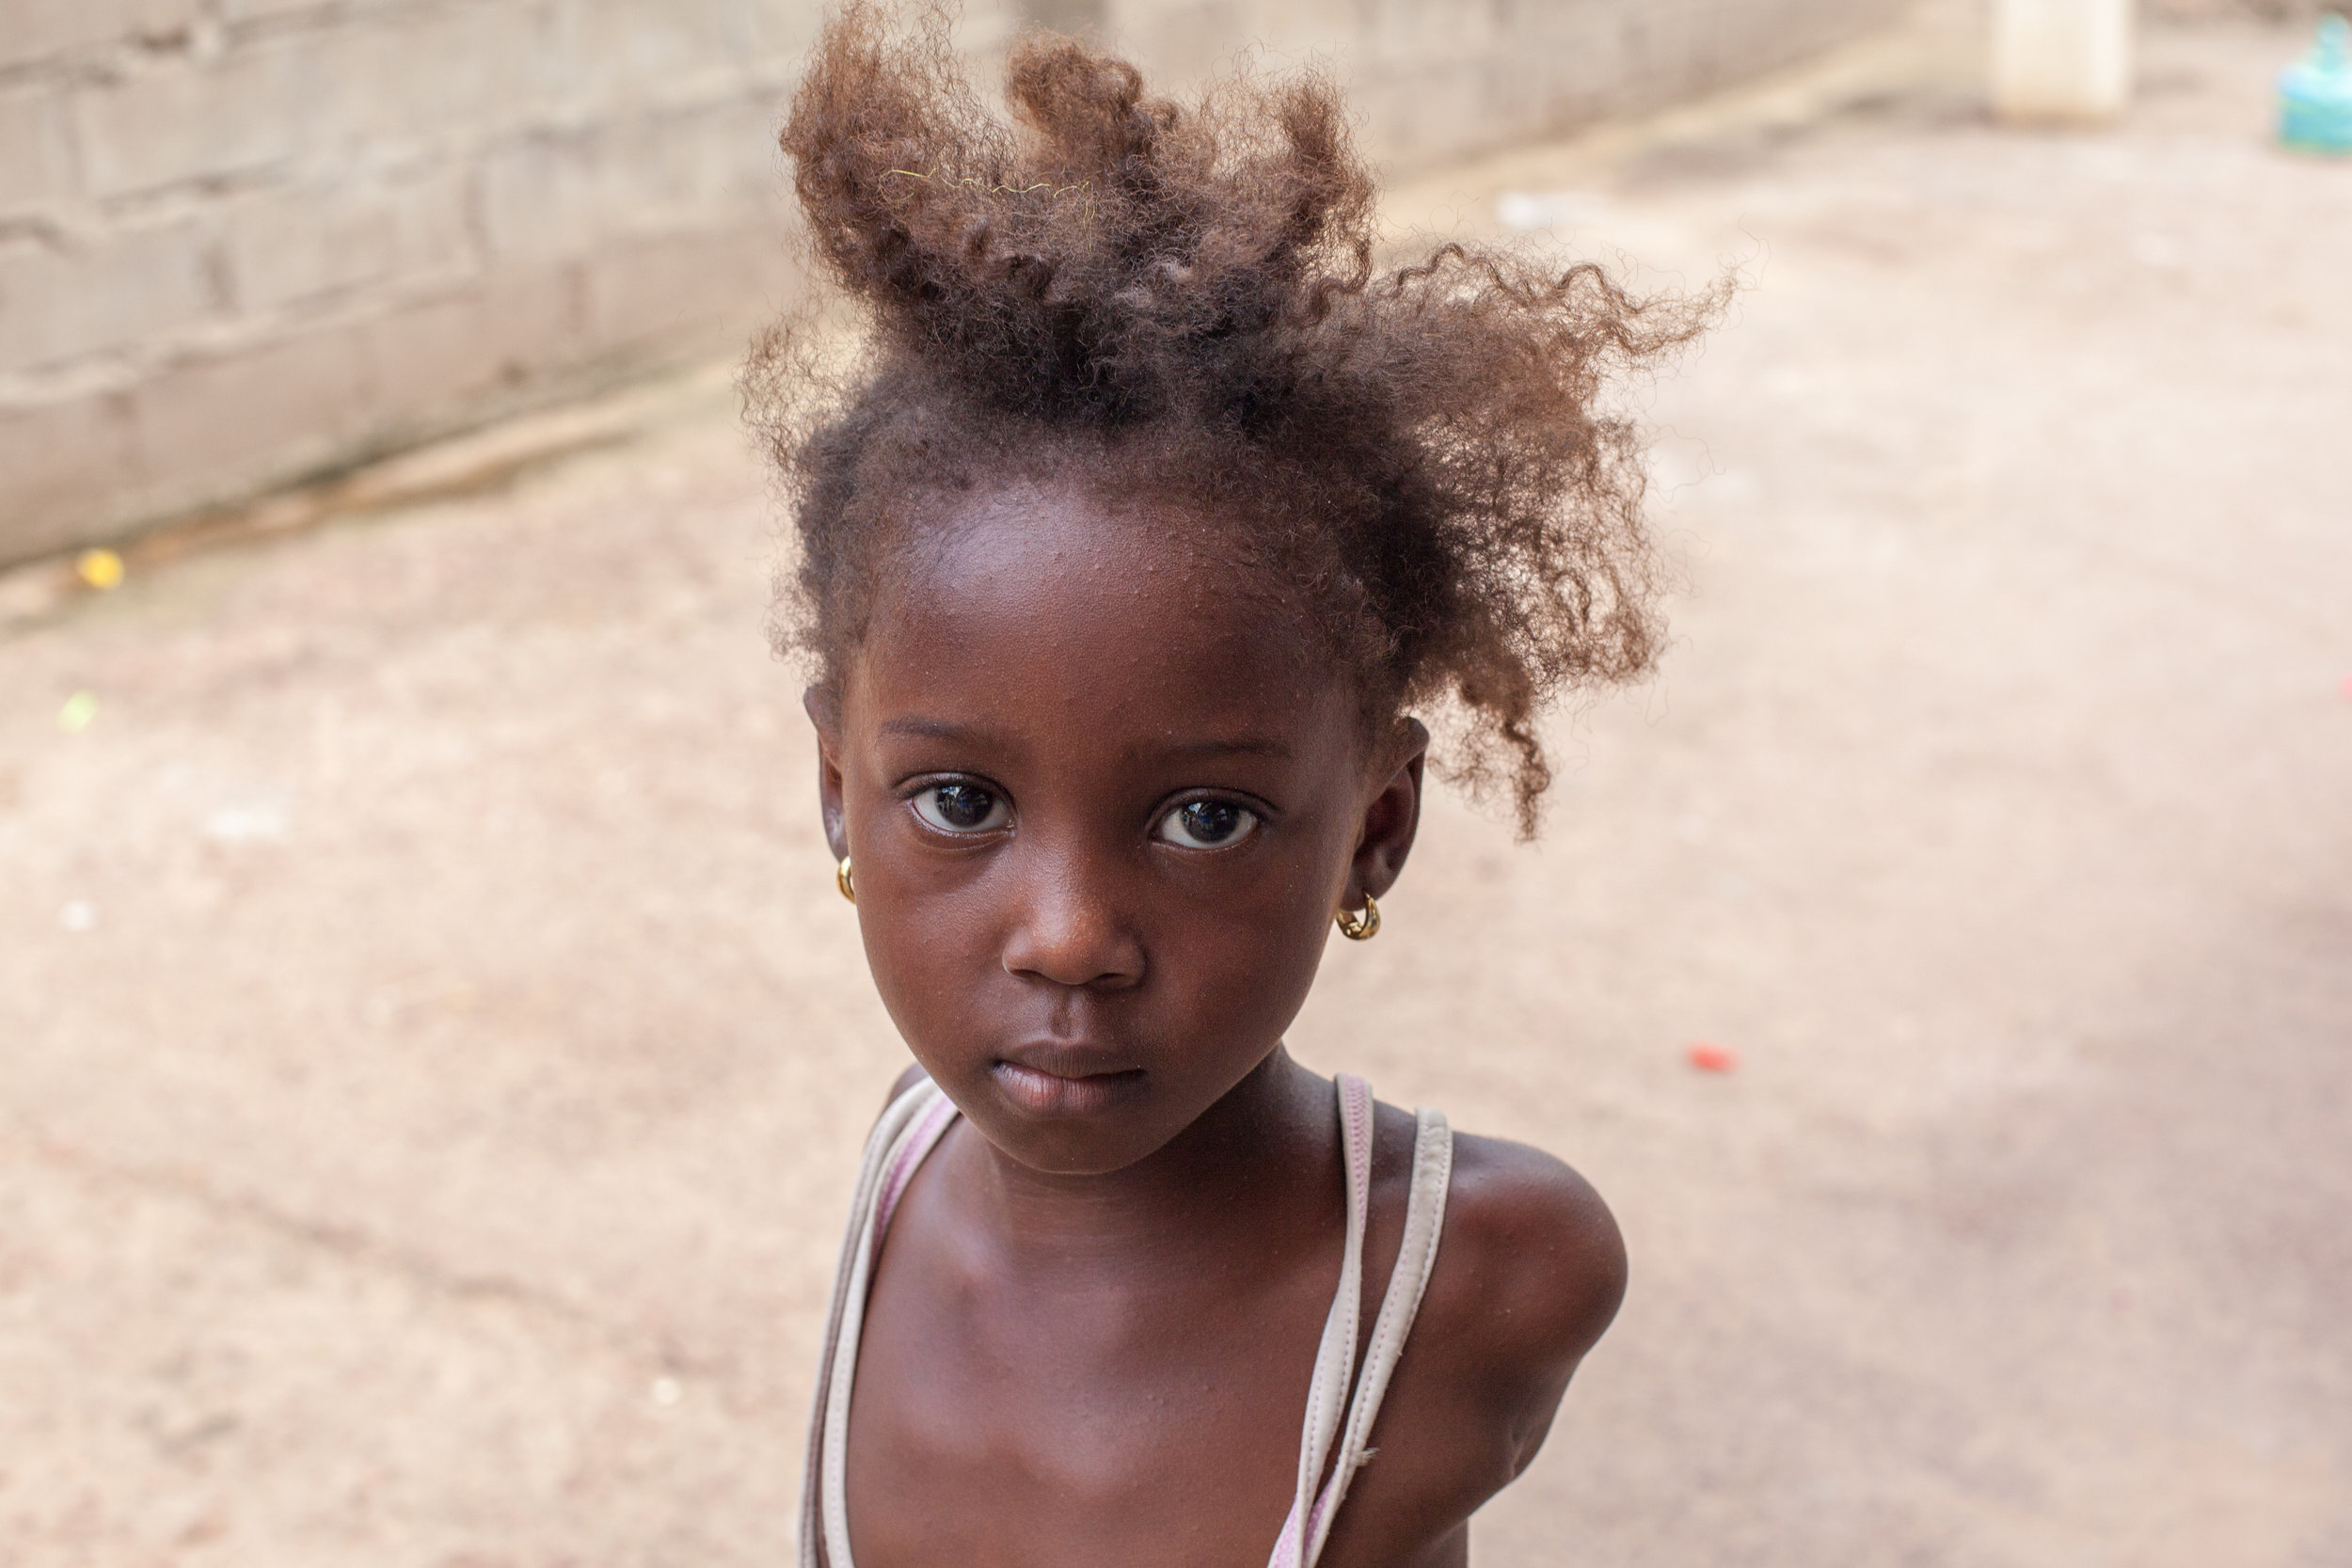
(1333, 1436)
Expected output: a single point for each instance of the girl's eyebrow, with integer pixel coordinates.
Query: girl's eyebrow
(932, 729)
(1256, 745)
(920, 728)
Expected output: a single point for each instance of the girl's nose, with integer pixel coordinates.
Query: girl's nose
(1071, 928)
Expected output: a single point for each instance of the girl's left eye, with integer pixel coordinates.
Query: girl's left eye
(957, 807)
(1208, 824)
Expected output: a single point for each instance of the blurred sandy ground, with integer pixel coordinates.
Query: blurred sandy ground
(434, 1055)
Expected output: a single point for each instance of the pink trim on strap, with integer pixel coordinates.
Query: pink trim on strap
(929, 1129)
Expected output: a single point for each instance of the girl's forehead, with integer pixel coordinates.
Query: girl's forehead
(1063, 564)
(1052, 598)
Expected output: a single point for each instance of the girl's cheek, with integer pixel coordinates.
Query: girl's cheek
(1243, 971)
(935, 966)
(931, 971)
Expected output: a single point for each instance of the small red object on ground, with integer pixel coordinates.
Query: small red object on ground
(1713, 1058)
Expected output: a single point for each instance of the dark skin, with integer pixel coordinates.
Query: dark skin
(1104, 797)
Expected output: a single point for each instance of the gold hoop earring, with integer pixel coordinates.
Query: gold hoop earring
(1359, 927)
(844, 879)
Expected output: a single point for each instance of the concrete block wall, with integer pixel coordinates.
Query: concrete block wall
(242, 242)
(1439, 79)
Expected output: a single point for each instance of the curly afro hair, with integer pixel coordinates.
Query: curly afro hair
(1182, 299)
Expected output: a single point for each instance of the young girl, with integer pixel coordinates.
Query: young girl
(1147, 517)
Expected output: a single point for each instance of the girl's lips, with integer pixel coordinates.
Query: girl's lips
(1051, 1094)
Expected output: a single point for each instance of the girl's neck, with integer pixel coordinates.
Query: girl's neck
(1261, 1147)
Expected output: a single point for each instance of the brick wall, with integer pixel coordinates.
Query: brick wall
(245, 241)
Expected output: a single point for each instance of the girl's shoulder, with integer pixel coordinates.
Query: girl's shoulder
(905, 1081)
(1536, 1244)
(1530, 1271)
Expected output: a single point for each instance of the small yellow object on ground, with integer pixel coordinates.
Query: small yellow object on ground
(100, 569)
(78, 711)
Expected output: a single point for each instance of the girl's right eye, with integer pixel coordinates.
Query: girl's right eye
(957, 807)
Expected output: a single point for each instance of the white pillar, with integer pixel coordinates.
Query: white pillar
(2062, 59)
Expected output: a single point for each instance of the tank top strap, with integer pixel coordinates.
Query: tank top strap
(1335, 1359)
(909, 1130)
(1312, 1512)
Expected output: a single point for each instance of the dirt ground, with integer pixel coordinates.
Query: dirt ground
(435, 1056)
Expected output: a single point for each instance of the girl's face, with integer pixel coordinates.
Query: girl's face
(1102, 802)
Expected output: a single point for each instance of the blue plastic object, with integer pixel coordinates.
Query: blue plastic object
(2315, 93)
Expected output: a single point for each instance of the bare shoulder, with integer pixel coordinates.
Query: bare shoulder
(1530, 1272)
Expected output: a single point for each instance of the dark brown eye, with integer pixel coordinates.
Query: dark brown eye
(1207, 824)
(962, 808)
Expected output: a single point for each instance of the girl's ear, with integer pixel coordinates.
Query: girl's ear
(1390, 821)
(824, 712)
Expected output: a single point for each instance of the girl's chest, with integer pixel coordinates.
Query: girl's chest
(1063, 1422)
